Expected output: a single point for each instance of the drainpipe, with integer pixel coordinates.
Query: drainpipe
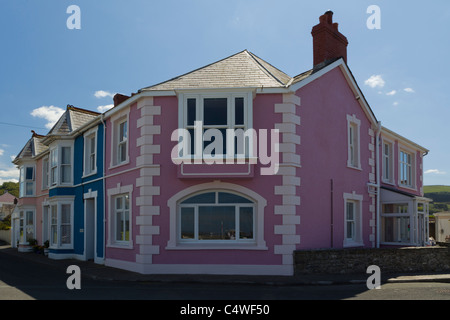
(378, 177)
(104, 191)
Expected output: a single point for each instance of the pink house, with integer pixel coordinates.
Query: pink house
(309, 166)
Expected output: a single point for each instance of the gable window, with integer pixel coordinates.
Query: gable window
(27, 179)
(387, 162)
(90, 152)
(353, 220)
(216, 113)
(120, 139)
(406, 169)
(216, 217)
(353, 142)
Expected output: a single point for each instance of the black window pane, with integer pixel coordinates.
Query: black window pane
(217, 223)
(187, 223)
(215, 111)
(217, 148)
(191, 111)
(209, 197)
(246, 223)
(239, 111)
(232, 198)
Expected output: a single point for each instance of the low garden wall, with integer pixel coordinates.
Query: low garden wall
(5, 235)
(390, 260)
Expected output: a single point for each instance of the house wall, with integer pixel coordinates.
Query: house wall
(324, 174)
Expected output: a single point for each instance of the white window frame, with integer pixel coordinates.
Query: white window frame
(55, 168)
(56, 222)
(112, 194)
(353, 142)
(236, 206)
(357, 239)
(24, 182)
(116, 121)
(411, 166)
(231, 117)
(45, 173)
(89, 153)
(258, 214)
(388, 169)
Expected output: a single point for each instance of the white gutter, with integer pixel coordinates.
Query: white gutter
(377, 179)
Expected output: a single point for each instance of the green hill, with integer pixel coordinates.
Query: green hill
(440, 196)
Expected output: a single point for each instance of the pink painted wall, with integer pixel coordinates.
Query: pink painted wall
(325, 104)
(264, 118)
(124, 178)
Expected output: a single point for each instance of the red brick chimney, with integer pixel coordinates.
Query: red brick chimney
(119, 98)
(328, 42)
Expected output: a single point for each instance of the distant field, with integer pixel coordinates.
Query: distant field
(430, 189)
(440, 196)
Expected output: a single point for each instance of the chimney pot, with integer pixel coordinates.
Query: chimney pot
(328, 43)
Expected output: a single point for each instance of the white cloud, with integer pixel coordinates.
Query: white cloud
(104, 108)
(9, 174)
(103, 94)
(1, 152)
(375, 81)
(393, 92)
(395, 104)
(434, 171)
(409, 90)
(51, 114)
(12, 157)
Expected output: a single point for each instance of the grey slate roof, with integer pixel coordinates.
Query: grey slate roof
(32, 148)
(71, 120)
(243, 69)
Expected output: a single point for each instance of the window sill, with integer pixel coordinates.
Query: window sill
(216, 246)
(90, 174)
(114, 166)
(412, 188)
(354, 168)
(128, 246)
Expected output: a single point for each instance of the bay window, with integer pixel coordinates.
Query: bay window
(216, 217)
(61, 164)
(27, 181)
(396, 223)
(61, 223)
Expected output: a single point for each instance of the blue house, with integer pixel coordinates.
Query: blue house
(74, 211)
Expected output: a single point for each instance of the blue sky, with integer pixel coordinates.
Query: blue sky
(123, 46)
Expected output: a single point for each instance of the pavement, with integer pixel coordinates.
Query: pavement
(95, 271)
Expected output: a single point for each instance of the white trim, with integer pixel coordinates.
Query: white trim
(358, 200)
(353, 122)
(111, 193)
(86, 157)
(116, 120)
(58, 201)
